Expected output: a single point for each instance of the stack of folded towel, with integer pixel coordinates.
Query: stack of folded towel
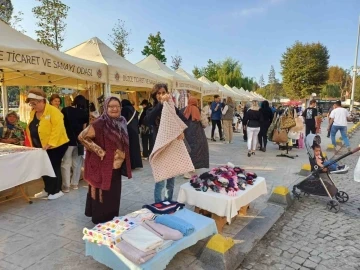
(176, 223)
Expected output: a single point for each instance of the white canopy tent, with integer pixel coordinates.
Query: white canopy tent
(178, 82)
(24, 61)
(122, 75)
(186, 75)
(237, 97)
(209, 88)
(224, 91)
(244, 96)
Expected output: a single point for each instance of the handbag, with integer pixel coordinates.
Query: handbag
(272, 127)
(287, 120)
(280, 136)
(299, 127)
(293, 135)
(204, 120)
(132, 117)
(79, 146)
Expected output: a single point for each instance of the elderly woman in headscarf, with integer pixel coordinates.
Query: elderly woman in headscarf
(107, 159)
(11, 133)
(195, 136)
(132, 117)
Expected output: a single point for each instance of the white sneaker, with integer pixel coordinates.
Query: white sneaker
(56, 196)
(41, 194)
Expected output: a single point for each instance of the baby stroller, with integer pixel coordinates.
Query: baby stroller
(320, 183)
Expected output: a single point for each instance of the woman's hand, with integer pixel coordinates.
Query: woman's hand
(181, 137)
(164, 98)
(48, 146)
(102, 154)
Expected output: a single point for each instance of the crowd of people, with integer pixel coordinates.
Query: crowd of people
(112, 146)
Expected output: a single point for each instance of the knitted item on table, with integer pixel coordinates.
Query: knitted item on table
(164, 207)
(176, 223)
(168, 148)
(141, 215)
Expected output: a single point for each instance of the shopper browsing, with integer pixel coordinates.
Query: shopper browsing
(309, 115)
(216, 107)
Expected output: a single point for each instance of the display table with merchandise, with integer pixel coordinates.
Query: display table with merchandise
(222, 207)
(203, 227)
(19, 165)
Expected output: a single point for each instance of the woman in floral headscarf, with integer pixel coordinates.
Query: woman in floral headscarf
(11, 133)
(107, 159)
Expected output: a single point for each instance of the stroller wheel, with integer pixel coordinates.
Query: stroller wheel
(297, 195)
(306, 194)
(333, 206)
(342, 197)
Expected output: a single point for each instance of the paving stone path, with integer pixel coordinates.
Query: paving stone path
(308, 236)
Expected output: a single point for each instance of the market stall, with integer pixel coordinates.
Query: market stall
(123, 76)
(197, 93)
(179, 86)
(117, 250)
(237, 97)
(31, 164)
(24, 61)
(222, 192)
(208, 90)
(224, 91)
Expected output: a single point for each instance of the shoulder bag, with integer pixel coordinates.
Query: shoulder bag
(287, 120)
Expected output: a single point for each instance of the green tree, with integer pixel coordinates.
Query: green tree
(341, 78)
(16, 20)
(6, 10)
(357, 89)
(230, 73)
(176, 62)
(155, 46)
(197, 72)
(210, 71)
(331, 91)
(304, 69)
(120, 39)
(51, 15)
(261, 81)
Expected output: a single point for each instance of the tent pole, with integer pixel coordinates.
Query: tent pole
(4, 97)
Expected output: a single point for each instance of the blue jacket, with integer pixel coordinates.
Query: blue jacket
(215, 115)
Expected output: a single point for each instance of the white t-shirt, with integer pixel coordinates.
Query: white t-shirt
(340, 116)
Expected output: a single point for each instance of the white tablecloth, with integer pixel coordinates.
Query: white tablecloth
(221, 204)
(19, 164)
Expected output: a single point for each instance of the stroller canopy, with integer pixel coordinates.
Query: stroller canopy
(309, 141)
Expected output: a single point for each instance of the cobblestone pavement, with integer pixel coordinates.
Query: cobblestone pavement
(308, 236)
(48, 234)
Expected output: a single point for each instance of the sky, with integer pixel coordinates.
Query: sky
(254, 32)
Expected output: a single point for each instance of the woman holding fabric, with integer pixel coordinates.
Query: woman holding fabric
(76, 118)
(159, 95)
(132, 117)
(11, 132)
(107, 159)
(46, 130)
(195, 136)
(252, 121)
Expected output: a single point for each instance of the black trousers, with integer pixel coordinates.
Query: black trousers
(310, 128)
(262, 136)
(147, 143)
(53, 184)
(215, 123)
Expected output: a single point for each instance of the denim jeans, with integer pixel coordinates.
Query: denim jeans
(169, 190)
(343, 130)
(332, 167)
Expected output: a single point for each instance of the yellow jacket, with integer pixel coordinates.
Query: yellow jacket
(51, 127)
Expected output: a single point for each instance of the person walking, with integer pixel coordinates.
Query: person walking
(46, 130)
(145, 131)
(252, 120)
(245, 137)
(107, 159)
(228, 118)
(338, 122)
(330, 125)
(215, 108)
(207, 111)
(267, 116)
(132, 117)
(160, 94)
(195, 136)
(76, 118)
(309, 115)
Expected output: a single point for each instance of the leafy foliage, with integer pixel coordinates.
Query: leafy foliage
(261, 81)
(155, 46)
(51, 15)
(120, 39)
(331, 91)
(16, 20)
(341, 78)
(6, 10)
(176, 62)
(304, 69)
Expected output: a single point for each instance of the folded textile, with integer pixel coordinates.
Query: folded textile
(141, 215)
(165, 245)
(164, 207)
(162, 231)
(176, 223)
(142, 239)
(108, 233)
(168, 147)
(133, 254)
